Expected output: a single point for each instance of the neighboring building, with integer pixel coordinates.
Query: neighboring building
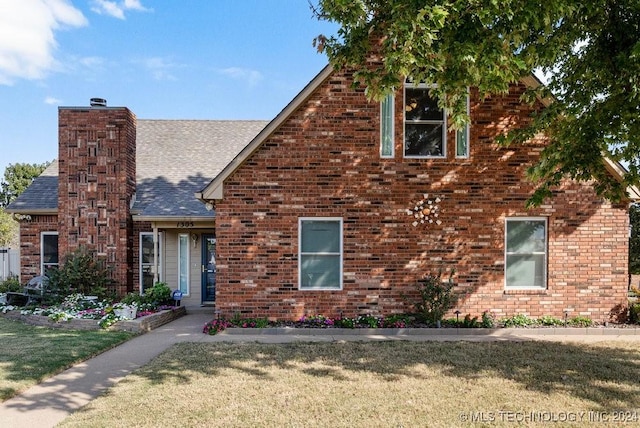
(337, 206)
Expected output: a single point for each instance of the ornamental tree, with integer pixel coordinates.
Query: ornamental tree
(589, 51)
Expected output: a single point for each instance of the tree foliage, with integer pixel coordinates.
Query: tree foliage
(8, 230)
(17, 177)
(590, 52)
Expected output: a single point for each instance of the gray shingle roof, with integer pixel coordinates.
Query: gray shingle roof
(174, 160)
(41, 196)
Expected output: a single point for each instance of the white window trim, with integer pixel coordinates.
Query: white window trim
(546, 253)
(300, 221)
(390, 99)
(42, 265)
(188, 255)
(160, 258)
(467, 130)
(404, 124)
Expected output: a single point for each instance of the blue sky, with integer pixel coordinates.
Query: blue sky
(163, 59)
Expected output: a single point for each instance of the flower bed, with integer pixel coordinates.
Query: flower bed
(88, 313)
(402, 321)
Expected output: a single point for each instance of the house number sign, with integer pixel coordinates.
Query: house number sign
(185, 224)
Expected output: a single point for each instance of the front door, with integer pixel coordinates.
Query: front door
(208, 268)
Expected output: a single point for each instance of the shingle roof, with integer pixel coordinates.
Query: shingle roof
(42, 194)
(174, 160)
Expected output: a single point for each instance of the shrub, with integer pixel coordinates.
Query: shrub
(470, 322)
(10, 284)
(549, 321)
(634, 313)
(159, 294)
(488, 320)
(580, 322)
(81, 272)
(435, 298)
(519, 320)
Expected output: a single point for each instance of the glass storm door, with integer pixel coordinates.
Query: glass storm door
(208, 268)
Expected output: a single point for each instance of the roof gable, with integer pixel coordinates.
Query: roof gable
(215, 189)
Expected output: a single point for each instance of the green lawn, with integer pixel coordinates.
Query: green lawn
(29, 354)
(376, 384)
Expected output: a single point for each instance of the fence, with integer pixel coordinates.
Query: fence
(9, 263)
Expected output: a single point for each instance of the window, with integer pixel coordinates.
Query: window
(387, 111)
(462, 139)
(147, 260)
(183, 263)
(526, 253)
(320, 254)
(48, 251)
(425, 129)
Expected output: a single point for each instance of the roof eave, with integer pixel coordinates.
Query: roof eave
(31, 211)
(618, 173)
(156, 218)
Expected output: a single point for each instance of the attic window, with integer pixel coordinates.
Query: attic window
(424, 123)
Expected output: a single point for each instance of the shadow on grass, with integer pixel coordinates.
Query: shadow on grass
(606, 375)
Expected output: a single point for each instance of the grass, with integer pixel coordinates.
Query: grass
(374, 384)
(29, 354)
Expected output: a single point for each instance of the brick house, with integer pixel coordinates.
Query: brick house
(337, 206)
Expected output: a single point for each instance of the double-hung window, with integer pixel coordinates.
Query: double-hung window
(48, 251)
(320, 253)
(425, 127)
(526, 253)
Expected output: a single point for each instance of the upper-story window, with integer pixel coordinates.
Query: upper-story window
(425, 127)
(387, 114)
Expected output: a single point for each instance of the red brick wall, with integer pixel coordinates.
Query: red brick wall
(96, 181)
(324, 161)
(30, 230)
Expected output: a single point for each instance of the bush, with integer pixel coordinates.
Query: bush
(634, 313)
(518, 320)
(580, 322)
(549, 321)
(82, 272)
(488, 320)
(157, 295)
(10, 284)
(435, 298)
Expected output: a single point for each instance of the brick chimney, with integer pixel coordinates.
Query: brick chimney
(96, 182)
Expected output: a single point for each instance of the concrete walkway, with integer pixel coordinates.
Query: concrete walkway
(50, 402)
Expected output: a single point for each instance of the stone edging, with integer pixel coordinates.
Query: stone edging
(551, 331)
(139, 325)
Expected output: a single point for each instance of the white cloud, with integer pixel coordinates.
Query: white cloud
(52, 101)
(117, 9)
(252, 77)
(160, 68)
(27, 37)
